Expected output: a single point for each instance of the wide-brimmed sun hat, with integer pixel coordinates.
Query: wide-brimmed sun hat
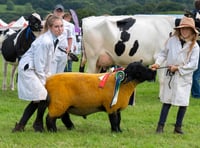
(187, 22)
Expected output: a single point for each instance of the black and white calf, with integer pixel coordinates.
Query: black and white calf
(16, 44)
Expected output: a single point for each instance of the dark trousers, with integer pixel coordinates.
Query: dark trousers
(30, 109)
(165, 111)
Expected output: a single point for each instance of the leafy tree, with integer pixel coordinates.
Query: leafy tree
(3, 1)
(119, 11)
(10, 5)
(169, 6)
(28, 8)
(149, 8)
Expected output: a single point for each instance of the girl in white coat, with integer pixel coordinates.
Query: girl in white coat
(33, 70)
(65, 43)
(181, 55)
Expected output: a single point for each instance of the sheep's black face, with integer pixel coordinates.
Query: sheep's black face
(137, 71)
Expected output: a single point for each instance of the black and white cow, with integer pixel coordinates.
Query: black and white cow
(119, 40)
(16, 44)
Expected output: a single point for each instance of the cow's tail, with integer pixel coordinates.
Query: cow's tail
(83, 59)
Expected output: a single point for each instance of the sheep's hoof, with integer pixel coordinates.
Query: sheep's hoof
(71, 128)
(116, 130)
(51, 124)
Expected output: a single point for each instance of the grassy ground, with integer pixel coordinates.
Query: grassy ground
(138, 125)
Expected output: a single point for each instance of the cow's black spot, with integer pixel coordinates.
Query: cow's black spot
(125, 24)
(125, 36)
(134, 48)
(119, 48)
(8, 50)
(11, 51)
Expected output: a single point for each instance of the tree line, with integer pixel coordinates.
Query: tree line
(86, 8)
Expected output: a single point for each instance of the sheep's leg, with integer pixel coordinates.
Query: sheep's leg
(115, 119)
(67, 121)
(51, 124)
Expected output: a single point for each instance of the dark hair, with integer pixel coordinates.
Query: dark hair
(197, 4)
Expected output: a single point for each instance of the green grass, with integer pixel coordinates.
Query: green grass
(138, 125)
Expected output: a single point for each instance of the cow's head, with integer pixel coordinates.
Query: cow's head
(35, 22)
(138, 72)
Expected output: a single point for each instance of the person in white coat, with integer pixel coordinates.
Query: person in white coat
(67, 17)
(64, 45)
(181, 55)
(33, 70)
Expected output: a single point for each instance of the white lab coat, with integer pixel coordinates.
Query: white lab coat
(60, 59)
(177, 88)
(31, 82)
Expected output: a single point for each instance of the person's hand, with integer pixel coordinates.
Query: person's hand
(155, 66)
(67, 50)
(173, 68)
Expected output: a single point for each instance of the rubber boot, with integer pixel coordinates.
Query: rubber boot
(28, 112)
(159, 129)
(38, 124)
(18, 128)
(178, 130)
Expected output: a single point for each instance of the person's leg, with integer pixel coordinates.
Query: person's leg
(28, 112)
(163, 117)
(38, 124)
(66, 68)
(195, 91)
(69, 63)
(179, 119)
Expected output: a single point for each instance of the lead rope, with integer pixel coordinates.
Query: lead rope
(171, 74)
(168, 73)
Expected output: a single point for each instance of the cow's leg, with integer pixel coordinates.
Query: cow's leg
(4, 85)
(83, 61)
(115, 119)
(51, 123)
(12, 82)
(67, 121)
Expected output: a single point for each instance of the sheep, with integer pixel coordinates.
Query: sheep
(81, 94)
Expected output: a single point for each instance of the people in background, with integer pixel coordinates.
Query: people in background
(67, 17)
(181, 55)
(64, 45)
(33, 70)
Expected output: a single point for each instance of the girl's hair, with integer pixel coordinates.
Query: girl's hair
(49, 20)
(67, 14)
(193, 38)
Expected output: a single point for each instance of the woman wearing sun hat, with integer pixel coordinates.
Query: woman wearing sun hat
(181, 55)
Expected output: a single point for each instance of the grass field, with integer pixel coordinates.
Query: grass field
(138, 125)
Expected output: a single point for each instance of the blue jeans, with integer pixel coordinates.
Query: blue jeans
(68, 67)
(195, 91)
(165, 111)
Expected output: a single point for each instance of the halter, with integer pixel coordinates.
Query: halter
(29, 33)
